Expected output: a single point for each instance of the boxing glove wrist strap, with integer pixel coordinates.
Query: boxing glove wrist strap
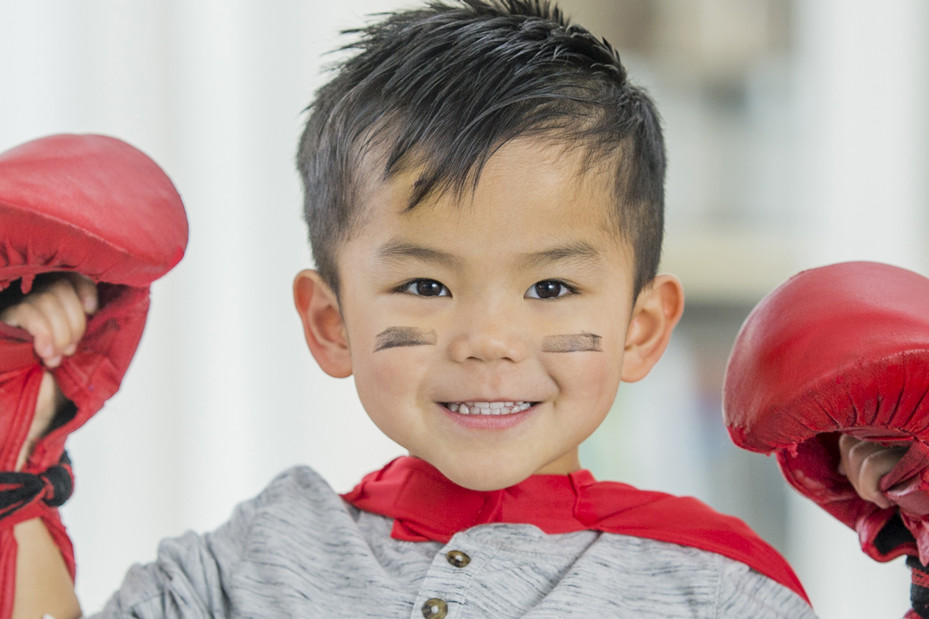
(25, 495)
(919, 589)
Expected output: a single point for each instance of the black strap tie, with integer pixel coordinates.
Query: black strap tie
(919, 589)
(54, 487)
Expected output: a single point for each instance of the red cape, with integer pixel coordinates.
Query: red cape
(426, 506)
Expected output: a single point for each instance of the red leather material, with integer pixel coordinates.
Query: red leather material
(97, 206)
(840, 349)
(91, 204)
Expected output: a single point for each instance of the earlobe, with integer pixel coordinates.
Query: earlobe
(323, 327)
(657, 310)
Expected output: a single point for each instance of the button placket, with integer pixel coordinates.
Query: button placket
(447, 582)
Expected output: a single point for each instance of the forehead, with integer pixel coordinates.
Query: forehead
(524, 181)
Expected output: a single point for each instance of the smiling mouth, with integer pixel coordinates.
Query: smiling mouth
(487, 408)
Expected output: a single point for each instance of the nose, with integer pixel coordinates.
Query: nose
(488, 332)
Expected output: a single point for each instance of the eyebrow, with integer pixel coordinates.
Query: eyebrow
(394, 337)
(576, 251)
(579, 251)
(396, 249)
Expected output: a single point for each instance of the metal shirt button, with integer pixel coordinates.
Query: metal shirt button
(457, 558)
(434, 608)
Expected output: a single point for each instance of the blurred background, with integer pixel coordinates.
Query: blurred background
(797, 134)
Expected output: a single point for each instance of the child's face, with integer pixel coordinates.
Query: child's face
(487, 336)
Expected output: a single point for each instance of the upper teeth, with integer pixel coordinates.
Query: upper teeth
(487, 408)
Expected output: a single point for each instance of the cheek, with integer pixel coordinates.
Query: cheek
(593, 376)
(389, 381)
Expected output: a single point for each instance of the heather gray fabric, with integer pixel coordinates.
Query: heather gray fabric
(298, 550)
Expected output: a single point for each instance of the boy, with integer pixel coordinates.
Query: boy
(484, 192)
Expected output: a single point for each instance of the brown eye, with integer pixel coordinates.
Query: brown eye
(426, 288)
(548, 289)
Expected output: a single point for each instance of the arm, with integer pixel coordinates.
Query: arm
(87, 204)
(43, 584)
(55, 316)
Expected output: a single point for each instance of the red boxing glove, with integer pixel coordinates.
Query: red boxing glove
(96, 206)
(841, 349)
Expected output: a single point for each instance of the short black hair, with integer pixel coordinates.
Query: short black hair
(447, 84)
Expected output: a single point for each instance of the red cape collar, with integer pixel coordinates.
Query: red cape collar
(426, 506)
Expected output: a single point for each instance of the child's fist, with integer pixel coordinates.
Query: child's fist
(864, 464)
(55, 314)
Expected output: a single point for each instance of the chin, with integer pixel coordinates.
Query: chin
(484, 476)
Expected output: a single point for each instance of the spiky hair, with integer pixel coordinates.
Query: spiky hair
(444, 86)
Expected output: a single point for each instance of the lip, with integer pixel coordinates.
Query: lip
(488, 422)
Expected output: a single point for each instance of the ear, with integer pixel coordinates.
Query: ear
(657, 309)
(323, 327)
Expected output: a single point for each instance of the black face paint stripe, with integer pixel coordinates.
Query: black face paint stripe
(574, 342)
(393, 337)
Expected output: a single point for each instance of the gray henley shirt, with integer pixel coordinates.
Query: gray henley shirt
(298, 550)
